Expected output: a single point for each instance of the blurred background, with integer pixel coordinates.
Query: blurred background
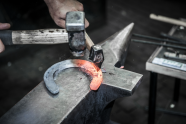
(22, 66)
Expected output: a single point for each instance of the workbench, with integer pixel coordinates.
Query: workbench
(156, 69)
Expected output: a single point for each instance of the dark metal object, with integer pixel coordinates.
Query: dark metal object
(159, 39)
(96, 52)
(77, 43)
(176, 90)
(171, 112)
(75, 25)
(172, 37)
(168, 111)
(152, 98)
(96, 55)
(76, 103)
(159, 44)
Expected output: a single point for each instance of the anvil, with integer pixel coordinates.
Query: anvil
(76, 103)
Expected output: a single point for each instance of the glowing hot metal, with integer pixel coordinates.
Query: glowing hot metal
(86, 66)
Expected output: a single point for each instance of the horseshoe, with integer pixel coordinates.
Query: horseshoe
(86, 66)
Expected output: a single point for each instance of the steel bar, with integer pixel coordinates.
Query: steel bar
(171, 37)
(171, 112)
(159, 39)
(159, 44)
(166, 111)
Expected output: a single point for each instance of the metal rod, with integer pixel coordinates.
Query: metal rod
(171, 112)
(159, 44)
(171, 37)
(159, 39)
(166, 111)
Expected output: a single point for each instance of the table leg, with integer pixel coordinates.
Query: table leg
(152, 97)
(176, 90)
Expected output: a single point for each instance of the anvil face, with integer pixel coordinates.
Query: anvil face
(76, 103)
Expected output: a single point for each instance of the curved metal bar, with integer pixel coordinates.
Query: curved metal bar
(86, 66)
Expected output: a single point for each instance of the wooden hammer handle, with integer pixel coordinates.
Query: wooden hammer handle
(167, 20)
(41, 36)
(88, 41)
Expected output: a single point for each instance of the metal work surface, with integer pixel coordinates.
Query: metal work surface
(75, 102)
(163, 69)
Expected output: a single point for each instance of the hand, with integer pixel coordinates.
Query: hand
(59, 8)
(2, 27)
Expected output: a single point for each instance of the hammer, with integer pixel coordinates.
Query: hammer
(75, 25)
(74, 34)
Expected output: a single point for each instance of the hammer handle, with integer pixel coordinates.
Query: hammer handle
(89, 42)
(41, 36)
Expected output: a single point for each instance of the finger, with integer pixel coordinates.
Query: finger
(86, 23)
(2, 47)
(122, 67)
(80, 6)
(4, 26)
(60, 22)
(61, 14)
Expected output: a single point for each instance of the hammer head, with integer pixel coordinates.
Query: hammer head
(96, 55)
(75, 25)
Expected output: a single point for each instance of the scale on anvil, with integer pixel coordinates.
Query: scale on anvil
(76, 103)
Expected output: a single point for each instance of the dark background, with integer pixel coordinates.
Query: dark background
(22, 66)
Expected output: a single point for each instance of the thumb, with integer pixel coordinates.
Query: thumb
(2, 47)
(86, 23)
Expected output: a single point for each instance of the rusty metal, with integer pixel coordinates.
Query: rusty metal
(76, 103)
(75, 25)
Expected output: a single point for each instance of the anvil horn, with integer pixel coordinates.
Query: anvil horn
(119, 45)
(76, 103)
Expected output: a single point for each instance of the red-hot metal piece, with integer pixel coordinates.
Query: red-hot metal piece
(92, 70)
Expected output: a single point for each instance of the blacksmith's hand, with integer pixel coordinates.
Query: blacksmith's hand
(59, 8)
(3, 26)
